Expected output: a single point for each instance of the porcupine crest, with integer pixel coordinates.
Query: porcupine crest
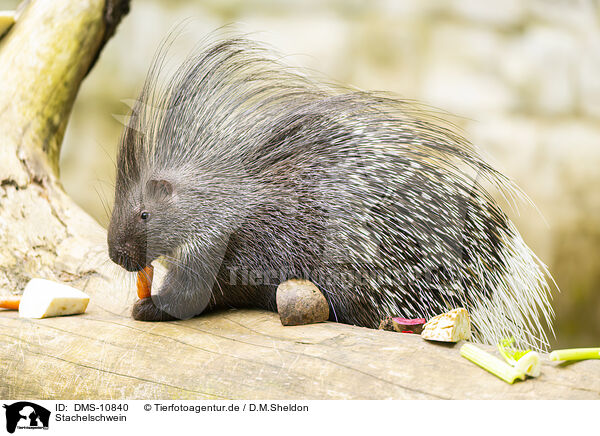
(364, 194)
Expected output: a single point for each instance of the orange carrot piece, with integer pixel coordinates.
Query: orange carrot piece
(10, 303)
(144, 281)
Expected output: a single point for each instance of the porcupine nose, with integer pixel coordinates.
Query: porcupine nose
(127, 256)
(129, 248)
(133, 258)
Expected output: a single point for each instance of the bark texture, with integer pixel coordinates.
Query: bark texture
(103, 353)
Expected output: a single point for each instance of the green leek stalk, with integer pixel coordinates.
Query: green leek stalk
(575, 354)
(490, 363)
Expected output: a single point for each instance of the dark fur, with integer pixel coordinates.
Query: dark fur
(248, 169)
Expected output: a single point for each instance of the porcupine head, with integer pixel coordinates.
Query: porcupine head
(176, 207)
(239, 161)
(174, 201)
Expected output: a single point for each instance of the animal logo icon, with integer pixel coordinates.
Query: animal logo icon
(25, 414)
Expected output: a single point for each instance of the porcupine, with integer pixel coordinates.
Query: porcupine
(242, 172)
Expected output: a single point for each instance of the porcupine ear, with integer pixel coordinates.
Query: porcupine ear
(160, 189)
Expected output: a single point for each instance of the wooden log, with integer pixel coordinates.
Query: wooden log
(248, 354)
(104, 354)
(43, 60)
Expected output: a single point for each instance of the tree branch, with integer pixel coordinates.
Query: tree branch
(104, 353)
(43, 60)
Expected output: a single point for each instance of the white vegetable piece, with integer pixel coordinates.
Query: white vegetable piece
(529, 364)
(45, 298)
(448, 327)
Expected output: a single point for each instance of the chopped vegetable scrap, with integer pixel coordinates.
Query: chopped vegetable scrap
(526, 361)
(10, 303)
(576, 354)
(402, 325)
(407, 325)
(491, 363)
(451, 326)
(45, 298)
(144, 281)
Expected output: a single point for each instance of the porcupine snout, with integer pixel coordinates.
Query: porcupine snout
(128, 256)
(127, 249)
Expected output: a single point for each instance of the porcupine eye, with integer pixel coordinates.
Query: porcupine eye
(144, 215)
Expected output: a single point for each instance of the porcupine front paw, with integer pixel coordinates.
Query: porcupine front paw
(145, 310)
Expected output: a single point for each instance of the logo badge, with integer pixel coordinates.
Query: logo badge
(26, 415)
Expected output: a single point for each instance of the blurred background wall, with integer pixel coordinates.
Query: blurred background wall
(521, 77)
